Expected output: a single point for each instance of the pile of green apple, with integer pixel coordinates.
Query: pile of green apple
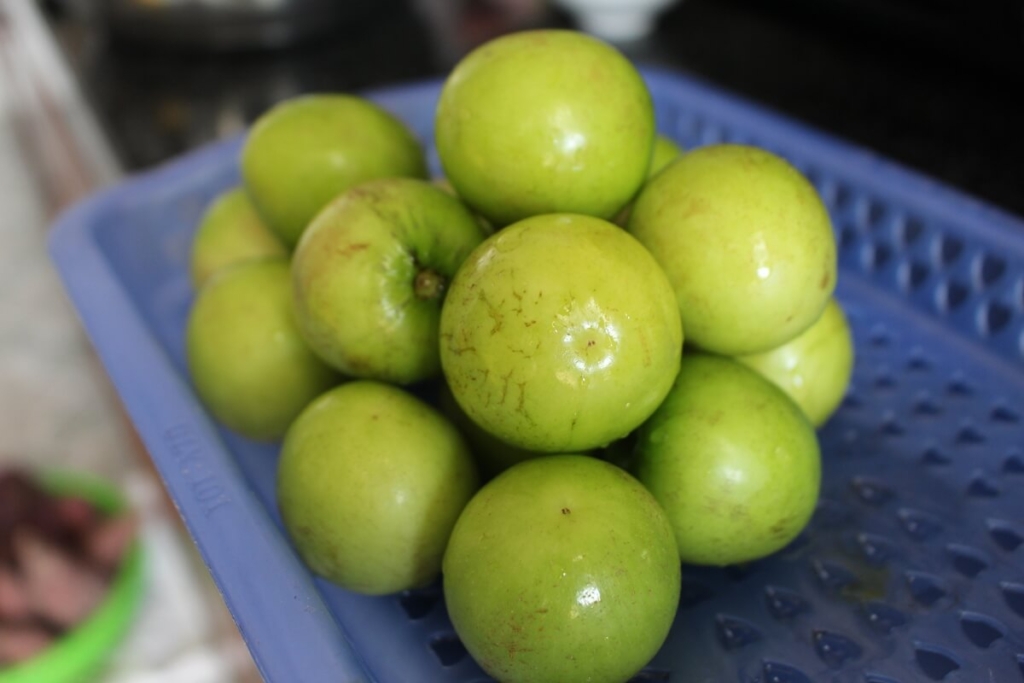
(521, 322)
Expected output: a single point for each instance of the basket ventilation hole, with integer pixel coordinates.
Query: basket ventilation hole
(1005, 414)
(833, 576)
(981, 630)
(1014, 465)
(996, 317)
(917, 273)
(877, 550)
(871, 491)
(874, 214)
(926, 589)
(852, 401)
(912, 231)
(882, 617)
(1004, 535)
(982, 487)
(967, 560)
(734, 633)
(879, 336)
(969, 435)
(449, 650)
(419, 604)
(933, 456)
(934, 662)
(958, 386)
(885, 380)
(919, 362)
(877, 256)
(694, 593)
(1020, 664)
(920, 525)
(926, 406)
(991, 269)
(950, 250)
(774, 672)
(842, 198)
(835, 650)
(784, 603)
(1013, 593)
(891, 427)
(955, 295)
(847, 238)
(651, 676)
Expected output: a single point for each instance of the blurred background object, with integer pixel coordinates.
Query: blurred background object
(928, 84)
(616, 20)
(226, 25)
(93, 89)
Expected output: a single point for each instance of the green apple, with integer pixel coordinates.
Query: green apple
(230, 232)
(560, 333)
(545, 121)
(562, 569)
(307, 150)
(733, 461)
(370, 275)
(745, 240)
(247, 361)
(665, 152)
(369, 484)
(493, 456)
(815, 367)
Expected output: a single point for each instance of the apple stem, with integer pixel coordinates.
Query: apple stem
(429, 284)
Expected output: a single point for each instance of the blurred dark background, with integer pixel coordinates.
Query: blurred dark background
(930, 84)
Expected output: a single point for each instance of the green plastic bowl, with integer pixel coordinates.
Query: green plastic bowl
(80, 654)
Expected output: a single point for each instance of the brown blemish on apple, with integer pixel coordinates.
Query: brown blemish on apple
(353, 249)
(646, 348)
(824, 280)
(565, 511)
(781, 528)
(504, 386)
(494, 312)
(519, 298)
(738, 512)
(696, 207)
(514, 648)
(459, 350)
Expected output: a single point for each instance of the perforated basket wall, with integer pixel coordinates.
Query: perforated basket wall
(911, 569)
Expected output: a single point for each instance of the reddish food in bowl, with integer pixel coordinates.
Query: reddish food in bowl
(58, 557)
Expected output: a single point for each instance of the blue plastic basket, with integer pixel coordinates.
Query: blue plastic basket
(911, 570)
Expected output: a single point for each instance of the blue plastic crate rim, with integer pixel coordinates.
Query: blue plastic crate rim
(911, 569)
